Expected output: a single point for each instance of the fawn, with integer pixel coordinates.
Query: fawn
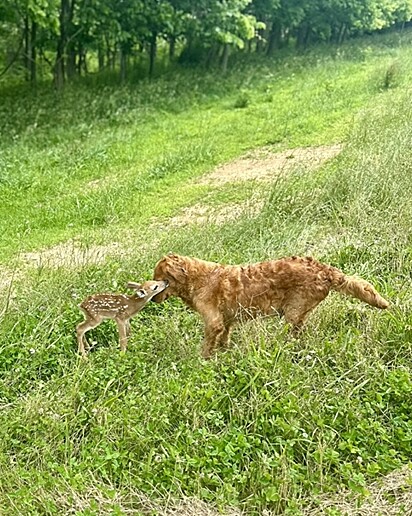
(119, 307)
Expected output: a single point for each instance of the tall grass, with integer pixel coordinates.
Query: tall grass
(271, 423)
(53, 147)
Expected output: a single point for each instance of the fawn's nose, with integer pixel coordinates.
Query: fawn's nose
(167, 283)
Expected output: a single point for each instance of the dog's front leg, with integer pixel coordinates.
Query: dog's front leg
(225, 339)
(216, 335)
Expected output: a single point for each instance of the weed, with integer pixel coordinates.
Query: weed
(391, 77)
(242, 101)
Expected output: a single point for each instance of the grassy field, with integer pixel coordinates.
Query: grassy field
(273, 423)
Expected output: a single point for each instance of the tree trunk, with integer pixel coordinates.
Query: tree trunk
(212, 55)
(113, 57)
(84, 61)
(30, 31)
(123, 64)
(108, 52)
(274, 39)
(59, 72)
(33, 54)
(71, 43)
(342, 34)
(27, 47)
(303, 36)
(81, 61)
(59, 69)
(285, 38)
(71, 62)
(172, 48)
(100, 56)
(153, 49)
(225, 57)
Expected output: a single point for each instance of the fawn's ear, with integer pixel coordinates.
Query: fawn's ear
(141, 293)
(132, 284)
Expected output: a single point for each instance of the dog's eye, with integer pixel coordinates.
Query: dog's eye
(155, 287)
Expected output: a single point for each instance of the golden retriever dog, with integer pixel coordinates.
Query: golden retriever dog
(224, 294)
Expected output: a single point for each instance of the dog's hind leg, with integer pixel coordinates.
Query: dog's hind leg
(296, 311)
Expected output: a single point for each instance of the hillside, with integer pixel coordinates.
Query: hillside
(305, 154)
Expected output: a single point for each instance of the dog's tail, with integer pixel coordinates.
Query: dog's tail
(358, 288)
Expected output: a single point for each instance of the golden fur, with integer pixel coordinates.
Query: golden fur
(223, 294)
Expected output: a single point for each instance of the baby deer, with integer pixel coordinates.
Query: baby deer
(119, 307)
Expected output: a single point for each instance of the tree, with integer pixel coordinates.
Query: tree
(63, 33)
(215, 26)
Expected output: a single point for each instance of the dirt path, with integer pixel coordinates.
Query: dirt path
(262, 164)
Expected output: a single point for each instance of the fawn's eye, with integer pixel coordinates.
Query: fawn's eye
(155, 287)
(141, 293)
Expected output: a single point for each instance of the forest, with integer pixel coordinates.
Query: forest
(64, 39)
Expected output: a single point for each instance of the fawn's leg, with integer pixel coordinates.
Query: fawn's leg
(127, 328)
(81, 329)
(122, 327)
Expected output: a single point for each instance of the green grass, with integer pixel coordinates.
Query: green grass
(274, 422)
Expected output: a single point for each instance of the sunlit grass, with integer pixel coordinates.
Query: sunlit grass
(140, 138)
(272, 422)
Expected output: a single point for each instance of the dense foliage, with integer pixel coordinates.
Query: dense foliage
(65, 38)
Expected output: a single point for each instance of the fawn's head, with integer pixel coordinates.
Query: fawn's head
(145, 291)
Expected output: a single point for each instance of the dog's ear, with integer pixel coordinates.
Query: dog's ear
(176, 272)
(177, 259)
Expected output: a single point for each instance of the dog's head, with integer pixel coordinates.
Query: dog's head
(170, 268)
